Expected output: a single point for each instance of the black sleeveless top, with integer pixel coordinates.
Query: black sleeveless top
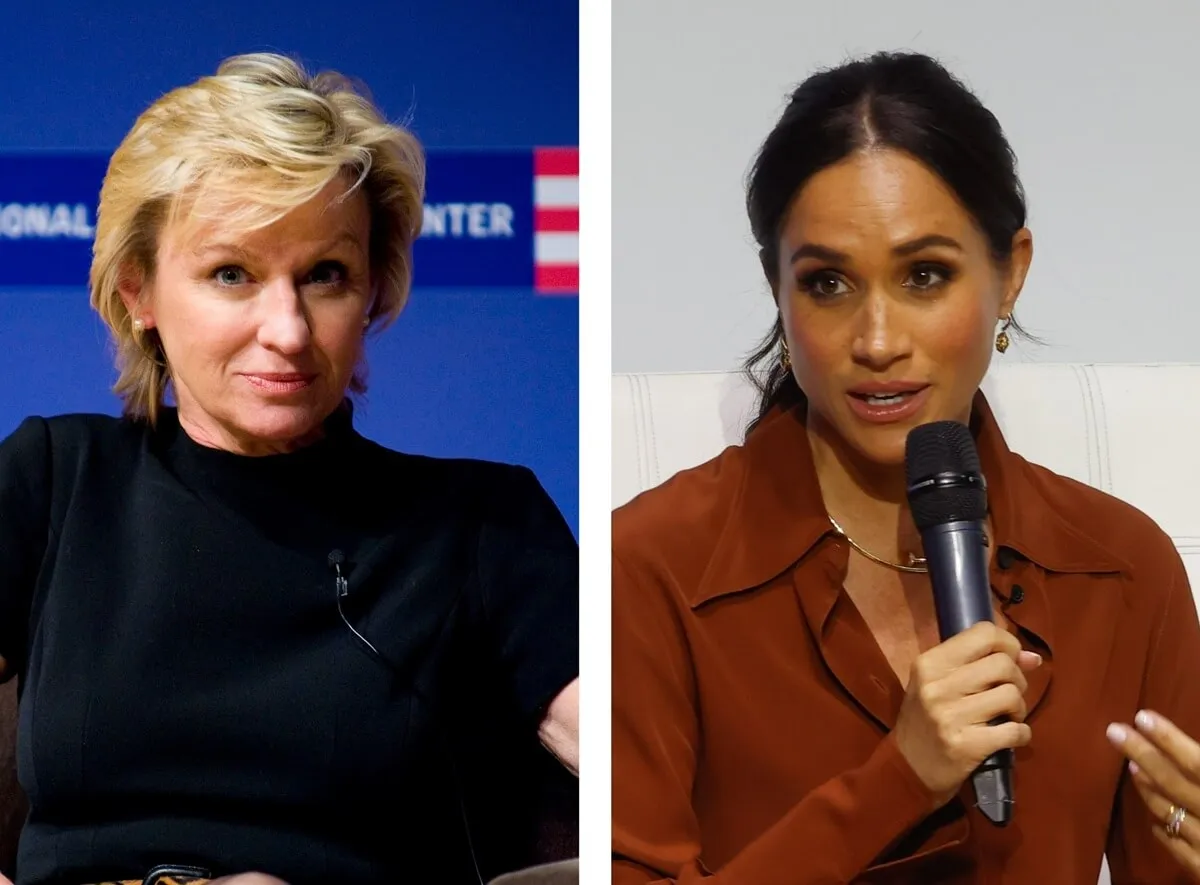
(191, 693)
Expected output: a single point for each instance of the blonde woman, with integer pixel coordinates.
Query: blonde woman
(248, 638)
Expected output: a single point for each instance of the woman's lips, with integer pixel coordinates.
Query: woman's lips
(887, 407)
(279, 382)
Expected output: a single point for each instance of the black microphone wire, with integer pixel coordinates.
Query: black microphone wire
(336, 560)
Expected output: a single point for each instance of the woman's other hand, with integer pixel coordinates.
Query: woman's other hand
(559, 731)
(1164, 764)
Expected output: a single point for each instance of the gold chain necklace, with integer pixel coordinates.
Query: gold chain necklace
(916, 564)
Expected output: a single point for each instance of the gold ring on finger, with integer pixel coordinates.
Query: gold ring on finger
(1175, 819)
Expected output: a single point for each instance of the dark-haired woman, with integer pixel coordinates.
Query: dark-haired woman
(783, 710)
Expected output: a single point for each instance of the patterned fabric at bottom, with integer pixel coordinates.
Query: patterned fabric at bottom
(158, 880)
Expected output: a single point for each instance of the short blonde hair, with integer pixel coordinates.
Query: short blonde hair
(247, 145)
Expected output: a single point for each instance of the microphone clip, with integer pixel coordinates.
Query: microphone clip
(336, 558)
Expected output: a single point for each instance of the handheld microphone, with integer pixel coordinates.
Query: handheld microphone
(948, 497)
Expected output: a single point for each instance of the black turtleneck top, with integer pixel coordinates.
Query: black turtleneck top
(190, 693)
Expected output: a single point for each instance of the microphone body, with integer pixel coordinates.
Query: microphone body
(957, 557)
(956, 553)
(948, 496)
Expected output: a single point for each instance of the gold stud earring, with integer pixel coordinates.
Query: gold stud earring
(1002, 341)
(785, 355)
(139, 325)
(366, 322)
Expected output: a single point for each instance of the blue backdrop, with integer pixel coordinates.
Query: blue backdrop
(479, 364)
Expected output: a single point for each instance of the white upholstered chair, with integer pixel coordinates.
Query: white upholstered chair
(1130, 430)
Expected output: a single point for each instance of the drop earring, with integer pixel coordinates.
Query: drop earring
(785, 355)
(1002, 340)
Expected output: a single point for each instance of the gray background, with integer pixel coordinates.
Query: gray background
(1097, 102)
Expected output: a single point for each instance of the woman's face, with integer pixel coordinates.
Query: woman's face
(263, 331)
(889, 299)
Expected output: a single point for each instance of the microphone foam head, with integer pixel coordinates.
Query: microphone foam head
(943, 449)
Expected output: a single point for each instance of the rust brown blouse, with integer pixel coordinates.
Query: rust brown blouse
(752, 707)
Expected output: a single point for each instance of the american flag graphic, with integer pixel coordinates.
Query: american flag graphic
(556, 221)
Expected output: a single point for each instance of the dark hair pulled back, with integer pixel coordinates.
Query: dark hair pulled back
(900, 101)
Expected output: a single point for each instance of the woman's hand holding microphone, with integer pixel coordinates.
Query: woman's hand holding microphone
(954, 690)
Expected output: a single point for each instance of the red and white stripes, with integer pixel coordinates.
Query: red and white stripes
(556, 221)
